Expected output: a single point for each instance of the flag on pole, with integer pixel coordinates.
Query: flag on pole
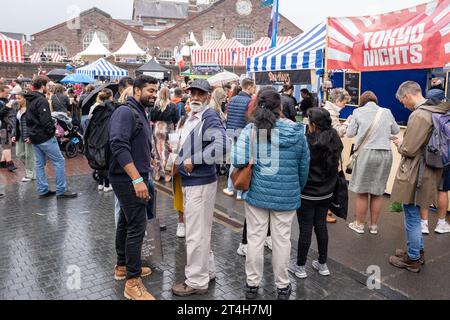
(179, 58)
(273, 27)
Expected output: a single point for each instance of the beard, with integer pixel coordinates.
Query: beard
(147, 102)
(197, 107)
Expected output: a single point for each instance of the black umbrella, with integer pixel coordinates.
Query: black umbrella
(92, 97)
(57, 74)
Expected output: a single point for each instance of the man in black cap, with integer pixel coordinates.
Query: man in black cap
(203, 144)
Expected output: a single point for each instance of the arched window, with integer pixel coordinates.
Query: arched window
(244, 35)
(55, 47)
(210, 35)
(165, 55)
(90, 35)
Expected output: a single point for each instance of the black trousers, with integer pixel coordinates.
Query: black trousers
(130, 229)
(313, 214)
(103, 178)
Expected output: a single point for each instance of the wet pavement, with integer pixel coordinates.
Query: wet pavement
(43, 243)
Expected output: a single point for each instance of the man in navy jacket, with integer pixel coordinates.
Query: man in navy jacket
(203, 141)
(129, 175)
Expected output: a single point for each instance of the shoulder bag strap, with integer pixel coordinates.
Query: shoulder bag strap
(370, 131)
(252, 143)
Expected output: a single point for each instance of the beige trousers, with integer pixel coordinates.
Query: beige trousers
(280, 228)
(199, 204)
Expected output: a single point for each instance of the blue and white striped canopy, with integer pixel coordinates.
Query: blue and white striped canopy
(101, 67)
(303, 52)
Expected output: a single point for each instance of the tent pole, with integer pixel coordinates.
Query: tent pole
(325, 71)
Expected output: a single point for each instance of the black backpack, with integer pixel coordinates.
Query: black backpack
(96, 138)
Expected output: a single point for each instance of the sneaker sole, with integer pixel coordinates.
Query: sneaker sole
(301, 276)
(356, 230)
(440, 232)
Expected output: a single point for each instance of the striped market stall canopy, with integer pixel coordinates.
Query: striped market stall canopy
(101, 67)
(225, 52)
(303, 52)
(52, 57)
(262, 45)
(11, 50)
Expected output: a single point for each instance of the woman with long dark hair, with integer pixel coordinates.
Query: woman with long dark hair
(281, 161)
(325, 147)
(289, 102)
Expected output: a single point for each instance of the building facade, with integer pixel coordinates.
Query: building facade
(172, 23)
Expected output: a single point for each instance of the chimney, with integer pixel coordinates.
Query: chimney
(193, 7)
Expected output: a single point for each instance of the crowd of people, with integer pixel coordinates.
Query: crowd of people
(183, 133)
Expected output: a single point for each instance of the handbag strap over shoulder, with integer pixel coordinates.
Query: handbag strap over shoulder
(371, 130)
(252, 145)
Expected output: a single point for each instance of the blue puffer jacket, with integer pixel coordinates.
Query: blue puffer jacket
(237, 109)
(280, 174)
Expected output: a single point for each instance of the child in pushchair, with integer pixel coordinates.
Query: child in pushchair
(69, 139)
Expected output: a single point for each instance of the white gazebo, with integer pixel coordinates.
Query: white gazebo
(95, 50)
(130, 49)
(186, 51)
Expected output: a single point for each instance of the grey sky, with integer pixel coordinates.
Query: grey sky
(33, 16)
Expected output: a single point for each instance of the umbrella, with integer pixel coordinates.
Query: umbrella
(223, 78)
(57, 74)
(77, 78)
(92, 97)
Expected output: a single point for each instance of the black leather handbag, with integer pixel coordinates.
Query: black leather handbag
(339, 205)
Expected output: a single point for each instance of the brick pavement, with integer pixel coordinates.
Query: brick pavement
(41, 239)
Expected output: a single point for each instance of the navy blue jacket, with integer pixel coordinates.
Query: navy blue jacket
(124, 148)
(204, 153)
(237, 109)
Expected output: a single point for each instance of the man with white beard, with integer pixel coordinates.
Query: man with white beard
(203, 141)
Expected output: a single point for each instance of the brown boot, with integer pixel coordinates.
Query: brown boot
(135, 290)
(183, 290)
(400, 253)
(120, 273)
(405, 262)
(330, 218)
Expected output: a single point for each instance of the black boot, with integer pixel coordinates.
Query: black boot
(3, 164)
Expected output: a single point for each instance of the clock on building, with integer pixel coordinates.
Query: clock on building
(244, 7)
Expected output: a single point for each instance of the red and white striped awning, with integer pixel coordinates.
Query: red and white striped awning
(263, 45)
(53, 57)
(11, 50)
(221, 52)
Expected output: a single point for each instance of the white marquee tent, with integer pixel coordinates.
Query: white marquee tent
(130, 48)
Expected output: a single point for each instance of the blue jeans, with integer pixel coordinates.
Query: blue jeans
(230, 182)
(50, 150)
(413, 228)
(84, 123)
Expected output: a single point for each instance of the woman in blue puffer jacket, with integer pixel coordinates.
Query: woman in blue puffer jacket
(280, 173)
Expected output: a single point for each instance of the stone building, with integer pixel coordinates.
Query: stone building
(71, 37)
(160, 26)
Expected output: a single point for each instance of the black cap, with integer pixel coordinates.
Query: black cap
(202, 85)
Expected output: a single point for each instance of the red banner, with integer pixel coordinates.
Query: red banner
(413, 38)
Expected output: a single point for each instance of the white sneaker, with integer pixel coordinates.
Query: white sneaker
(300, 272)
(425, 229)
(239, 197)
(442, 228)
(374, 230)
(228, 192)
(358, 228)
(100, 188)
(321, 268)
(108, 189)
(242, 250)
(268, 243)
(26, 180)
(181, 230)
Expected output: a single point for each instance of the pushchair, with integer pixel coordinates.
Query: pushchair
(69, 139)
